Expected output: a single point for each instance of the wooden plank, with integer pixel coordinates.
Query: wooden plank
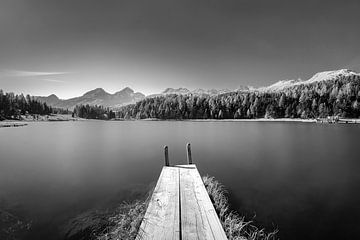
(161, 220)
(199, 219)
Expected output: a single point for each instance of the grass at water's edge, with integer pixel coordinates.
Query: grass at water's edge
(235, 226)
(124, 222)
(120, 223)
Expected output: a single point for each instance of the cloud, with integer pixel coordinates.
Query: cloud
(53, 80)
(17, 73)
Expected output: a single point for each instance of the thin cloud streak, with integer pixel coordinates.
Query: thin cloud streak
(17, 73)
(53, 80)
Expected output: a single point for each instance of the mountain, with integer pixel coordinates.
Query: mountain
(126, 96)
(318, 77)
(97, 96)
(176, 91)
(198, 91)
(276, 87)
(51, 100)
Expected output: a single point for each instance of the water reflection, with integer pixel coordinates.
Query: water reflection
(302, 178)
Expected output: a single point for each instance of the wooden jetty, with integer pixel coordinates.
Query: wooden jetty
(180, 207)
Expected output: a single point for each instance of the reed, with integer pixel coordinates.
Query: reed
(235, 226)
(123, 222)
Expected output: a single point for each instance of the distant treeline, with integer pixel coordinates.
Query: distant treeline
(339, 97)
(12, 106)
(93, 112)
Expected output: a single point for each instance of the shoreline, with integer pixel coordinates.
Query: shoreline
(256, 120)
(8, 123)
(66, 118)
(226, 120)
(322, 121)
(38, 118)
(49, 118)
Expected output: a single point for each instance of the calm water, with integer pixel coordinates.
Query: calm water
(303, 179)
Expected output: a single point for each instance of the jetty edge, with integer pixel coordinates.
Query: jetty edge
(180, 207)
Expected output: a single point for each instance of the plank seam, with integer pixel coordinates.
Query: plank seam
(180, 231)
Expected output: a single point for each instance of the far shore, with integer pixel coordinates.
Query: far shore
(341, 120)
(48, 118)
(12, 124)
(258, 120)
(230, 120)
(25, 119)
(67, 117)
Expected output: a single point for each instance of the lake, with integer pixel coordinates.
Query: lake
(302, 178)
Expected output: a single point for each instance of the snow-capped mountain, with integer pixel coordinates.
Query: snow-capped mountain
(176, 91)
(278, 86)
(197, 91)
(210, 91)
(318, 77)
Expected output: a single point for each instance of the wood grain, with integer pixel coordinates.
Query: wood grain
(161, 220)
(198, 216)
(180, 208)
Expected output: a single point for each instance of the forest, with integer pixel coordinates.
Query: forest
(93, 112)
(338, 97)
(12, 106)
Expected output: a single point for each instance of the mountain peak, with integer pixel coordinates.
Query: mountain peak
(243, 88)
(53, 96)
(176, 91)
(126, 91)
(329, 75)
(96, 92)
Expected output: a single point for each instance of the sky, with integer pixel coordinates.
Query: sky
(68, 47)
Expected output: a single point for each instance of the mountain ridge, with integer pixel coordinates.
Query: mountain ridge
(99, 96)
(318, 77)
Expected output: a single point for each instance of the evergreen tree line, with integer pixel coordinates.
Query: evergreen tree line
(93, 112)
(56, 110)
(339, 97)
(12, 106)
